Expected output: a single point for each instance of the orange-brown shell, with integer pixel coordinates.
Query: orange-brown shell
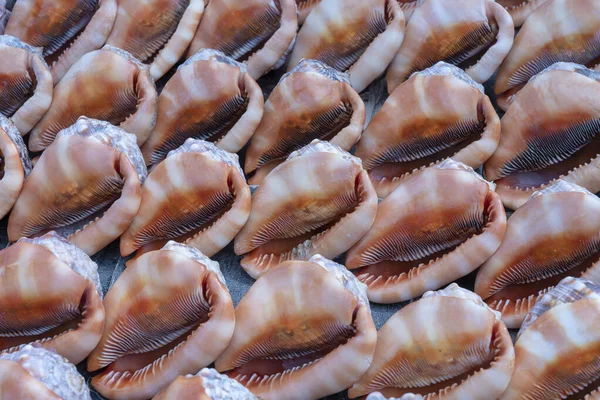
(168, 314)
(519, 10)
(107, 84)
(444, 113)
(439, 225)
(15, 165)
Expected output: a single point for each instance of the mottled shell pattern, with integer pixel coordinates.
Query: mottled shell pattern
(50, 294)
(65, 29)
(312, 101)
(26, 91)
(520, 10)
(207, 384)
(302, 322)
(558, 30)
(360, 37)
(476, 35)
(156, 32)
(198, 196)
(554, 235)
(168, 314)
(86, 186)
(448, 345)
(109, 85)
(549, 132)
(15, 165)
(260, 33)
(444, 114)
(438, 225)
(558, 355)
(319, 201)
(36, 373)
(211, 97)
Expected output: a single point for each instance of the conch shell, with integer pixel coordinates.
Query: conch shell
(357, 36)
(519, 10)
(553, 235)
(203, 210)
(26, 91)
(35, 373)
(156, 32)
(86, 185)
(439, 225)
(303, 331)
(168, 314)
(65, 29)
(210, 97)
(558, 30)
(15, 165)
(444, 114)
(50, 295)
(558, 355)
(107, 84)
(476, 35)
(319, 201)
(312, 101)
(408, 396)
(260, 33)
(207, 384)
(549, 132)
(448, 345)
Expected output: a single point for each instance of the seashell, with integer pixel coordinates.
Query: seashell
(549, 132)
(557, 356)
(26, 91)
(303, 331)
(444, 114)
(550, 237)
(65, 29)
(203, 210)
(519, 10)
(36, 373)
(107, 84)
(168, 314)
(4, 15)
(438, 225)
(448, 345)
(313, 101)
(15, 165)
(86, 185)
(51, 295)
(408, 6)
(408, 396)
(210, 97)
(357, 36)
(319, 201)
(260, 33)
(558, 30)
(305, 7)
(156, 32)
(476, 35)
(207, 384)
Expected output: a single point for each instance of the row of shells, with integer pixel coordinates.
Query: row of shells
(158, 171)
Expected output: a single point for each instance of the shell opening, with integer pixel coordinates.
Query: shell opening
(17, 88)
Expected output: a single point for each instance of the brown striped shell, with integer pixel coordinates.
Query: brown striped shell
(303, 331)
(360, 37)
(260, 33)
(203, 210)
(211, 97)
(156, 32)
(50, 294)
(554, 235)
(519, 10)
(476, 35)
(15, 165)
(86, 186)
(107, 84)
(448, 345)
(319, 201)
(438, 225)
(550, 131)
(558, 30)
(168, 314)
(312, 101)
(444, 114)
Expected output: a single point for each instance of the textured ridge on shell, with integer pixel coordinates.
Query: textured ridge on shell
(213, 55)
(195, 255)
(8, 40)
(407, 396)
(450, 163)
(127, 55)
(54, 371)
(347, 278)
(323, 146)
(221, 387)
(453, 290)
(569, 66)
(316, 66)
(444, 69)
(560, 186)
(17, 139)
